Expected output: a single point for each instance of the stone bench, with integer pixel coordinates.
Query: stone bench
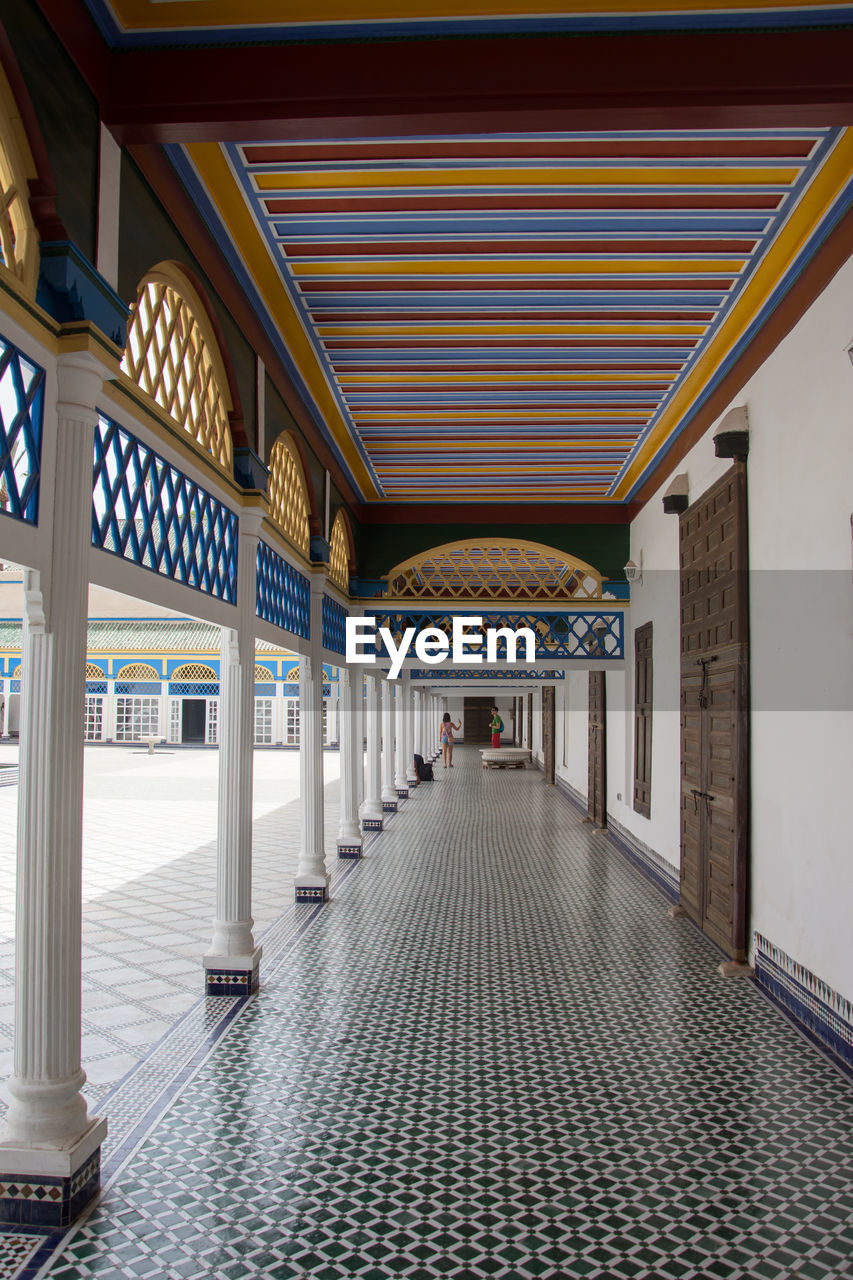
(505, 757)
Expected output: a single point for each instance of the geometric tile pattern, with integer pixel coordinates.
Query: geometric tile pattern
(824, 1012)
(283, 593)
(334, 625)
(16, 1249)
(491, 1054)
(147, 511)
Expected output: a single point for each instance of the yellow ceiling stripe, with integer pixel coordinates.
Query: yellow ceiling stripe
(834, 174)
(567, 176)
(219, 180)
(140, 15)
(566, 266)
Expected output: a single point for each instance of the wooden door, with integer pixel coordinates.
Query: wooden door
(548, 730)
(478, 717)
(597, 754)
(715, 712)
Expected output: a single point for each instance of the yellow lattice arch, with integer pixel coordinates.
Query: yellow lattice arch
(95, 673)
(194, 671)
(173, 355)
(288, 493)
(339, 554)
(18, 237)
(500, 569)
(263, 675)
(134, 671)
(16, 674)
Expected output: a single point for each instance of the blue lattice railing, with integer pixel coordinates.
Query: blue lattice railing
(334, 625)
(283, 593)
(483, 673)
(148, 512)
(564, 633)
(21, 415)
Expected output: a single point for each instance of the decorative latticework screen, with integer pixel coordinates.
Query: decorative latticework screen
(137, 671)
(263, 675)
(334, 625)
(283, 593)
(170, 357)
(339, 554)
(147, 511)
(503, 569)
(93, 672)
(288, 495)
(567, 633)
(18, 236)
(21, 408)
(194, 671)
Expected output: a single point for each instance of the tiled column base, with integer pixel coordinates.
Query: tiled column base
(50, 1188)
(232, 975)
(402, 793)
(389, 806)
(371, 824)
(312, 893)
(349, 849)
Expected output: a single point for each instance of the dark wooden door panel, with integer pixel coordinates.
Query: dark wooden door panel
(597, 751)
(548, 730)
(715, 712)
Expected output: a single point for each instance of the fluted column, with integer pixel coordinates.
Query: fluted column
(389, 792)
(231, 965)
(435, 721)
(349, 831)
(50, 1139)
(409, 725)
(312, 881)
(401, 782)
(371, 809)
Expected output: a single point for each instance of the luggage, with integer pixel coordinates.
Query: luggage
(423, 770)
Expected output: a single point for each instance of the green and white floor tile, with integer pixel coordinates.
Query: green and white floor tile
(490, 1055)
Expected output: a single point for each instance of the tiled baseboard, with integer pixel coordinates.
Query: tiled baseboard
(825, 1014)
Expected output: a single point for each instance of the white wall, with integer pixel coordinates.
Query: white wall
(800, 478)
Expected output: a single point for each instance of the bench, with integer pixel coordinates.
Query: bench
(505, 757)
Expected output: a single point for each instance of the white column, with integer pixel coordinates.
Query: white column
(312, 881)
(48, 1130)
(357, 678)
(389, 792)
(409, 724)
(371, 809)
(231, 965)
(417, 722)
(435, 721)
(349, 831)
(401, 782)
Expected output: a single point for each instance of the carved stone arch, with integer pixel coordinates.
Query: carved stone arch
(290, 492)
(342, 551)
(20, 176)
(174, 355)
(494, 569)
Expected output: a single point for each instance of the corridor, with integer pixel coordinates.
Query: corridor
(490, 1055)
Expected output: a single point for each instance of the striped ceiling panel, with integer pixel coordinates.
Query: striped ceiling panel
(515, 317)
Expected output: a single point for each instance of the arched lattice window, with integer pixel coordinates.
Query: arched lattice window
(16, 674)
(339, 556)
(500, 569)
(263, 675)
(95, 673)
(173, 355)
(133, 671)
(18, 238)
(288, 493)
(194, 671)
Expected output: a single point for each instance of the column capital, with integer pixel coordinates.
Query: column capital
(80, 380)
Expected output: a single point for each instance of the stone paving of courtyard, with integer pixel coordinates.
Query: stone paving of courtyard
(149, 882)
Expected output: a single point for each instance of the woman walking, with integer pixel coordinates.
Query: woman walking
(446, 738)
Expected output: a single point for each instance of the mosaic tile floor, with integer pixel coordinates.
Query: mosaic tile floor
(149, 865)
(491, 1055)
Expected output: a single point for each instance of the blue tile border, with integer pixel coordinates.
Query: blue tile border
(822, 1013)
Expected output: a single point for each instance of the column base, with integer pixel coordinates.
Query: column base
(40, 1187)
(350, 848)
(402, 793)
(389, 803)
(232, 975)
(412, 779)
(312, 889)
(371, 824)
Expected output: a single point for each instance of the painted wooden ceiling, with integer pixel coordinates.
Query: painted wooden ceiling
(527, 317)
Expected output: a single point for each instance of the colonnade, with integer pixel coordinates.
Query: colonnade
(50, 1149)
